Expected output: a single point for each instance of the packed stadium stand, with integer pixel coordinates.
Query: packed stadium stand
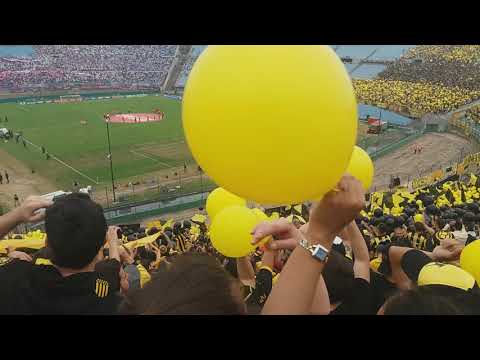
(66, 66)
(411, 249)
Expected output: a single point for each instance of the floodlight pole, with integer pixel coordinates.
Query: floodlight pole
(107, 120)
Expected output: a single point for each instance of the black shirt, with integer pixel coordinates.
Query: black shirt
(263, 286)
(360, 300)
(26, 288)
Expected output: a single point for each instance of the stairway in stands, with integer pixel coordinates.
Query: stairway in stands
(181, 57)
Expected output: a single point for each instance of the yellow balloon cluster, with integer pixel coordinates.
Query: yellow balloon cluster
(219, 199)
(232, 223)
(231, 230)
(243, 103)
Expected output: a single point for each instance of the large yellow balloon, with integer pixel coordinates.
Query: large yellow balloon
(470, 259)
(361, 167)
(260, 214)
(231, 229)
(244, 105)
(219, 199)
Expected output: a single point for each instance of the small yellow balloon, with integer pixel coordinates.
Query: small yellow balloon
(219, 199)
(244, 102)
(470, 259)
(361, 167)
(231, 229)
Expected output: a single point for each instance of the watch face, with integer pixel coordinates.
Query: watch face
(320, 254)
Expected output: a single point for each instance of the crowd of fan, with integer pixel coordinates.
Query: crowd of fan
(439, 72)
(67, 66)
(473, 113)
(428, 78)
(396, 254)
(454, 53)
(416, 97)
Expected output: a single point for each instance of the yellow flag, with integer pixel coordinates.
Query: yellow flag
(141, 242)
(169, 224)
(397, 199)
(199, 218)
(35, 244)
(473, 180)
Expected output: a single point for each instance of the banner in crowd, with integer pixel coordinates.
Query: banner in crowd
(422, 182)
(437, 175)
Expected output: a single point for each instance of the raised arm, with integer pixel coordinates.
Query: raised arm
(361, 265)
(321, 301)
(112, 239)
(296, 287)
(245, 271)
(29, 211)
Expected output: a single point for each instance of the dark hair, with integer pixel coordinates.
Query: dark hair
(231, 267)
(193, 284)
(76, 229)
(441, 223)
(177, 227)
(434, 300)
(420, 301)
(383, 228)
(377, 213)
(152, 230)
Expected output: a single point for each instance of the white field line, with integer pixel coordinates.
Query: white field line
(148, 157)
(63, 163)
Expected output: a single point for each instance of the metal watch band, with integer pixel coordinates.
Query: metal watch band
(311, 248)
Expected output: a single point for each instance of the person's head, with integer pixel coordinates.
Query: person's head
(76, 229)
(152, 230)
(399, 230)
(419, 226)
(439, 223)
(383, 229)
(420, 301)
(177, 228)
(378, 213)
(193, 284)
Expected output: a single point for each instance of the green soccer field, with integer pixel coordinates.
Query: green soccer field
(137, 148)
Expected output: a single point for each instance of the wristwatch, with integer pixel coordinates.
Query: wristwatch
(318, 251)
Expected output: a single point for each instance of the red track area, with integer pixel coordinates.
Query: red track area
(135, 118)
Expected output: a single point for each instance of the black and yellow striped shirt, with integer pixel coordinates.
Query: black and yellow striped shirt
(418, 240)
(181, 240)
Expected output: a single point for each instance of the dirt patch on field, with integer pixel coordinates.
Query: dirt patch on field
(135, 118)
(22, 181)
(439, 150)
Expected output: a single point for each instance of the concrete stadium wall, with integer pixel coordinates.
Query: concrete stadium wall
(394, 146)
(134, 212)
